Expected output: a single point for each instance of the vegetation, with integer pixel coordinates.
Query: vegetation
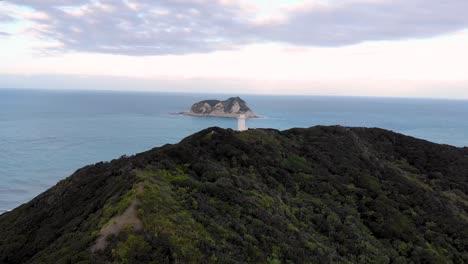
(317, 195)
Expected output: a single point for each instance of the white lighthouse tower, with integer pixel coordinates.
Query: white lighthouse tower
(241, 123)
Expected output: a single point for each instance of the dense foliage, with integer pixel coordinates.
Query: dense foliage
(317, 195)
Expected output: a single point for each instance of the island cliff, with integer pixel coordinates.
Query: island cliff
(232, 107)
(316, 195)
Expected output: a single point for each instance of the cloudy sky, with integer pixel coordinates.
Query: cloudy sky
(406, 48)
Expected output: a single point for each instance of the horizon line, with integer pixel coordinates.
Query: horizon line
(227, 93)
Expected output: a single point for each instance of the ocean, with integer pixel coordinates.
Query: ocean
(46, 135)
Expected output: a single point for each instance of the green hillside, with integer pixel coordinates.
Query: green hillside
(317, 195)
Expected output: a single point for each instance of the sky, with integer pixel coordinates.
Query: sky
(395, 48)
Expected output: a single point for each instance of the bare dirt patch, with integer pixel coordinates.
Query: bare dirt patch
(118, 223)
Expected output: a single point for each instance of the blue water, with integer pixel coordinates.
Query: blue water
(46, 135)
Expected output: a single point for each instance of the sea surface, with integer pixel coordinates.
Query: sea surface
(46, 135)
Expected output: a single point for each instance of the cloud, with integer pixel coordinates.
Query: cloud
(5, 18)
(141, 28)
(163, 27)
(350, 22)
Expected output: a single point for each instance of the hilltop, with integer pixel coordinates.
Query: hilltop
(232, 107)
(316, 195)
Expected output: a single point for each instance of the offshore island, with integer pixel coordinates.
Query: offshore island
(232, 108)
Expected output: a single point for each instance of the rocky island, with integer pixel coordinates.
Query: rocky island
(232, 107)
(315, 195)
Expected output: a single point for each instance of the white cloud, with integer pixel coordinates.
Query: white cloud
(140, 28)
(195, 26)
(426, 68)
(349, 22)
(342, 47)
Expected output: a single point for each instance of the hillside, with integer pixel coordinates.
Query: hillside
(316, 195)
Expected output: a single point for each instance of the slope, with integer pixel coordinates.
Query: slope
(317, 195)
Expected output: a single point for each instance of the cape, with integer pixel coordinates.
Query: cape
(315, 195)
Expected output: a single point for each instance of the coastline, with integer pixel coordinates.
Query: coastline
(215, 115)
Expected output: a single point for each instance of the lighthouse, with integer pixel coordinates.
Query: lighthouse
(241, 123)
